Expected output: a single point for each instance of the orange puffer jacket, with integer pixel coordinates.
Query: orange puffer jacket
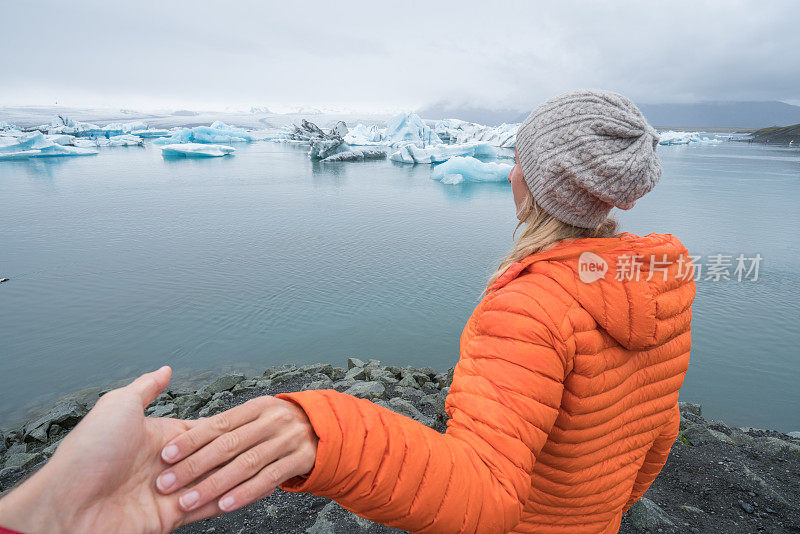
(563, 406)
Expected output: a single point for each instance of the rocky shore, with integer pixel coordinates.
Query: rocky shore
(717, 478)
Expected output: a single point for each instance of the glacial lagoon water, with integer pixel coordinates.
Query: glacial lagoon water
(122, 262)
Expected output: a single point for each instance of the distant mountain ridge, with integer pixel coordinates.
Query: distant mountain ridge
(743, 115)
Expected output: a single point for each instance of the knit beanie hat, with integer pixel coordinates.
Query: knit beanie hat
(587, 151)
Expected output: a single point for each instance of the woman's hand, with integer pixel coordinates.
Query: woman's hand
(240, 456)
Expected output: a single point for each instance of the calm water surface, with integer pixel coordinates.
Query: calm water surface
(125, 261)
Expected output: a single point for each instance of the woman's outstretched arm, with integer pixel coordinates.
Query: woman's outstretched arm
(503, 401)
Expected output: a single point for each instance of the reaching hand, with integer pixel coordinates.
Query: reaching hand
(101, 478)
(244, 454)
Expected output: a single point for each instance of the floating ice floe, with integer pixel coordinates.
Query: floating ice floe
(468, 169)
(196, 150)
(442, 152)
(36, 145)
(361, 135)
(409, 129)
(148, 134)
(357, 154)
(458, 131)
(672, 138)
(218, 132)
(114, 140)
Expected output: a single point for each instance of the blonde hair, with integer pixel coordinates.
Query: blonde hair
(542, 230)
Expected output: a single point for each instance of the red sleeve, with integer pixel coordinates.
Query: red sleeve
(4, 530)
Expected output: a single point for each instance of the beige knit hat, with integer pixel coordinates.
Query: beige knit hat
(587, 151)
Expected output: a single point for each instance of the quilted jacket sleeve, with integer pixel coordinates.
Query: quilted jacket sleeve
(656, 458)
(504, 399)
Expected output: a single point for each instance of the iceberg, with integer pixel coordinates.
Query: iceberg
(357, 155)
(442, 152)
(126, 127)
(409, 129)
(468, 169)
(672, 138)
(146, 134)
(458, 131)
(38, 146)
(218, 132)
(364, 135)
(115, 140)
(196, 150)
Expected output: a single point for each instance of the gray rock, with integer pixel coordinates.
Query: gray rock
(435, 401)
(223, 383)
(795, 435)
(356, 373)
(776, 445)
(396, 371)
(403, 407)
(164, 410)
(25, 460)
(441, 380)
(327, 383)
(50, 450)
(163, 398)
(17, 448)
(430, 371)
(338, 373)
(187, 404)
(217, 404)
(66, 415)
(746, 506)
(647, 515)
(408, 381)
(324, 368)
(354, 362)
(344, 383)
(697, 434)
(409, 392)
(691, 407)
(279, 378)
(263, 383)
(333, 519)
(367, 390)
(692, 509)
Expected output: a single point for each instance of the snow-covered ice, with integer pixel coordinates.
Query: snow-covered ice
(357, 154)
(114, 140)
(196, 150)
(36, 145)
(468, 169)
(671, 138)
(218, 132)
(458, 131)
(442, 152)
(408, 128)
(364, 135)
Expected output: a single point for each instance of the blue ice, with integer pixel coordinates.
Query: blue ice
(468, 169)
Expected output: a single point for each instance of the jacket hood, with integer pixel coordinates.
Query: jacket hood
(638, 289)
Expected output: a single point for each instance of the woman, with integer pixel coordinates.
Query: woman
(563, 406)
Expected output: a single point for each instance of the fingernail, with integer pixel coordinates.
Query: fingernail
(189, 500)
(169, 452)
(226, 503)
(165, 481)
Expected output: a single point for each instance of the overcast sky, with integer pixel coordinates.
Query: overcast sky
(389, 56)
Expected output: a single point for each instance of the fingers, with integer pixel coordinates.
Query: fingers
(211, 428)
(219, 451)
(237, 471)
(263, 484)
(148, 386)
